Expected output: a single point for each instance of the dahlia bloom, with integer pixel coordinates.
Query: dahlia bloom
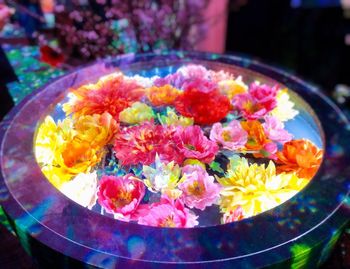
(300, 156)
(256, 188)
(110, 94)
(231, 137)
(193, 144)
(120, 195)
(168, 213)
(259, 101)
(141, 143)
(198, 188)
(284, 110)
(137, 113)
(163, 95)
(274, 129)
(232, 87)
(162, 177)
(82, 189)
(203, 107)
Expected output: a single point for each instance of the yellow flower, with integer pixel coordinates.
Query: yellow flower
(232, 87)
(173, 119)
(257, 188)
(137, 113)
(284, 110)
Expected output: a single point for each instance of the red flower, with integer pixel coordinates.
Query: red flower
(51, 56)
(203, 107)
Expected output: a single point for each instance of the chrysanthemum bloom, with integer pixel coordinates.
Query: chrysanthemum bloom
(168, 213)
(232, 87)
(257, 188)
(231, 137)
(163, 95)
(259, 100)
(256, 135)
(98, 130)
(82, 189)
(300, 156)
(233, 215)
(274, 129)
(284, 110)
(163, 177)
(198, 188)
(193, 144)
(140, 144)
(172, 119)
(120, 195)
(137, 113)
(110, 94)
(203, 107)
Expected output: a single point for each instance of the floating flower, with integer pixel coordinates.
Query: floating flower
(140, 144)
(51, 56)
(137, 113)
(231, 137)
(198, 188)
(232, 87)
(203, 106)
(284, 110)
(233, 215)
(256, 135)
(172, 119)
(274, 129)
(162, 177)
(163, 95)
(82, 189)
(168, 213)
(255, 104)
(120, 195)
(110, 94)
(301, 157)
(256, 188)
(193, 144)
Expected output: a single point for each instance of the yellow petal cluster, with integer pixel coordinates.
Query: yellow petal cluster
(232, 87)
(137, 113)
(171, 118)
(257, 188)
(284, 110)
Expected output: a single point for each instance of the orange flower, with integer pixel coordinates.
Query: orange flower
(164, 95)
(256, 135)
(300, 156)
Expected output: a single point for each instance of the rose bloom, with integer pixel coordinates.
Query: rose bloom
(198, 188)
(275, 131)
(120, 195)
(300, 156)
(231, 137)
(167, 213)
(203, 107)
(193, 144)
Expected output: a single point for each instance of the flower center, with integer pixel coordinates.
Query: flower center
(196, 189)
(226, 136)
(122, 200)
(168, 222)
(190, 147)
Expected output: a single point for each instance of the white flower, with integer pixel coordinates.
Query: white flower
(82, 189)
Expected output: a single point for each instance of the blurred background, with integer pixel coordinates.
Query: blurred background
(40, 40)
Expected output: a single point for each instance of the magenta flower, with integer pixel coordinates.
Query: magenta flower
(198, 189)
(257, 102)
(167, 213)
(193, 144)
(120, 195)
(275, 131)
(231, 137)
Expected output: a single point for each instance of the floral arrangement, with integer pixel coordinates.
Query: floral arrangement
(162, 151)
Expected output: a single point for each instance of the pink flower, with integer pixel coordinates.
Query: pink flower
(275, 131)
(167, 213)
(259, 100)
(233, 215)
(193, 144)
(120, 195)
(140, 144)
(231, 137)
(198, 189)
(271, 150)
